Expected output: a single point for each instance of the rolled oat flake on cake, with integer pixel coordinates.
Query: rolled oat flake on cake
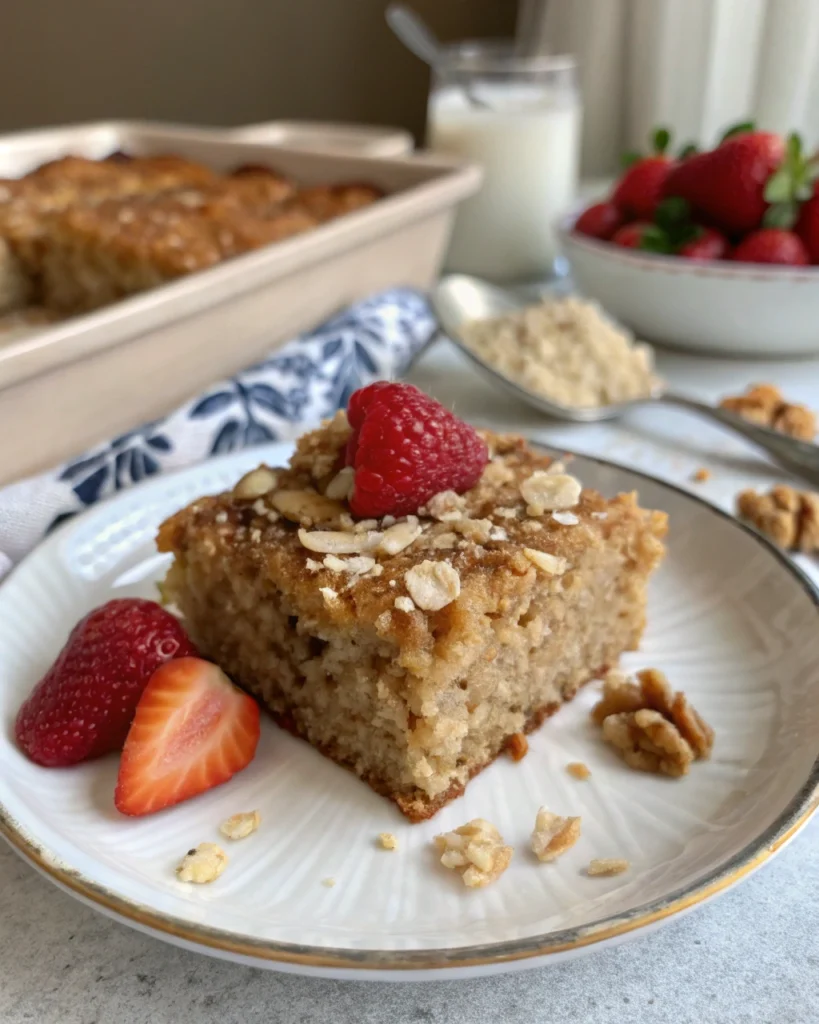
(432, 585)
(549, 492)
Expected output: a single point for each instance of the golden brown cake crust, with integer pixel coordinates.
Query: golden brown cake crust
(80, 233)
(257, 545)
(542, 605)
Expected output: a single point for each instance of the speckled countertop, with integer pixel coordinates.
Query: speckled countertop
(749, 957)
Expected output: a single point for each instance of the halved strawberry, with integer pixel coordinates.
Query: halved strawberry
(193, 730)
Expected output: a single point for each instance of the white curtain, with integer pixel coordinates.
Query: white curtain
(693, 65)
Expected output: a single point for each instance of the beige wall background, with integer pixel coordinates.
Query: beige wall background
(221, 61)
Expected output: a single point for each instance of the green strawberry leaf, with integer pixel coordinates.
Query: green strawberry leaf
(779, 187)
(689, 149)
(654, 239)
(792, 182)
(793, 149)
(688, 233)
(738, 129)
(629, 159)
(781, 215)
(671, 212)
(660, 140)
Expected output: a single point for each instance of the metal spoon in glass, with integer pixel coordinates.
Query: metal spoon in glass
(418, 39)
(458, 299)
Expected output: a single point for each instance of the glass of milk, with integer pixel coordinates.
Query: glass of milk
(519, 117)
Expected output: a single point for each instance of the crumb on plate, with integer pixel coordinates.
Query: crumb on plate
(240, 826)
(553, 835)
(204, 863)
(476, 850)
(606, 867)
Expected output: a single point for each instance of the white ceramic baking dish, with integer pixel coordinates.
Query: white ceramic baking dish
(325, 137)
(78, 381)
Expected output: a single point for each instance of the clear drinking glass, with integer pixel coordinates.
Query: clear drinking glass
(519, 117)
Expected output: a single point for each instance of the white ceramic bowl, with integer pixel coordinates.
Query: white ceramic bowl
(719, 307)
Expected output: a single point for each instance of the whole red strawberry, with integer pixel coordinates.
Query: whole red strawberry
(707, 245)
(640, 188)
(599, 221)
(772, 245)
(405, 447)
(727, 184)
(807, 227)
(83, 706)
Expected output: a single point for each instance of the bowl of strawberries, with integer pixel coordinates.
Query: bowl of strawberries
(714, 251)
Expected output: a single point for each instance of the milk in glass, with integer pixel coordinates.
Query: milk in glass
(522, 125)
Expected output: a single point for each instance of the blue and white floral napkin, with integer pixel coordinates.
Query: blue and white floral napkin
(300, 383)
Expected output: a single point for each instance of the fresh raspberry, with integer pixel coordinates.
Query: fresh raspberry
(405, 447)
(84, 705)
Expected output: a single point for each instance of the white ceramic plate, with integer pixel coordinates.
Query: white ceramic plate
(731, 621)
(705, 306)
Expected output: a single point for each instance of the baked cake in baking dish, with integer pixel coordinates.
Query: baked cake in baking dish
(412, 648)
(76, 234)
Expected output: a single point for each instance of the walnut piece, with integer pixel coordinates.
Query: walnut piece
(788, 516)
(578, 771)
(606, 867)
(653, 728)
(477, 850)
(648, 742)
(553, 835)
(202, 864)
(619, 696)
(518, 746)
(764, 404)
(432, 585)
(547, 492)
(255, 484)
(240, 826)
(387, 841)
